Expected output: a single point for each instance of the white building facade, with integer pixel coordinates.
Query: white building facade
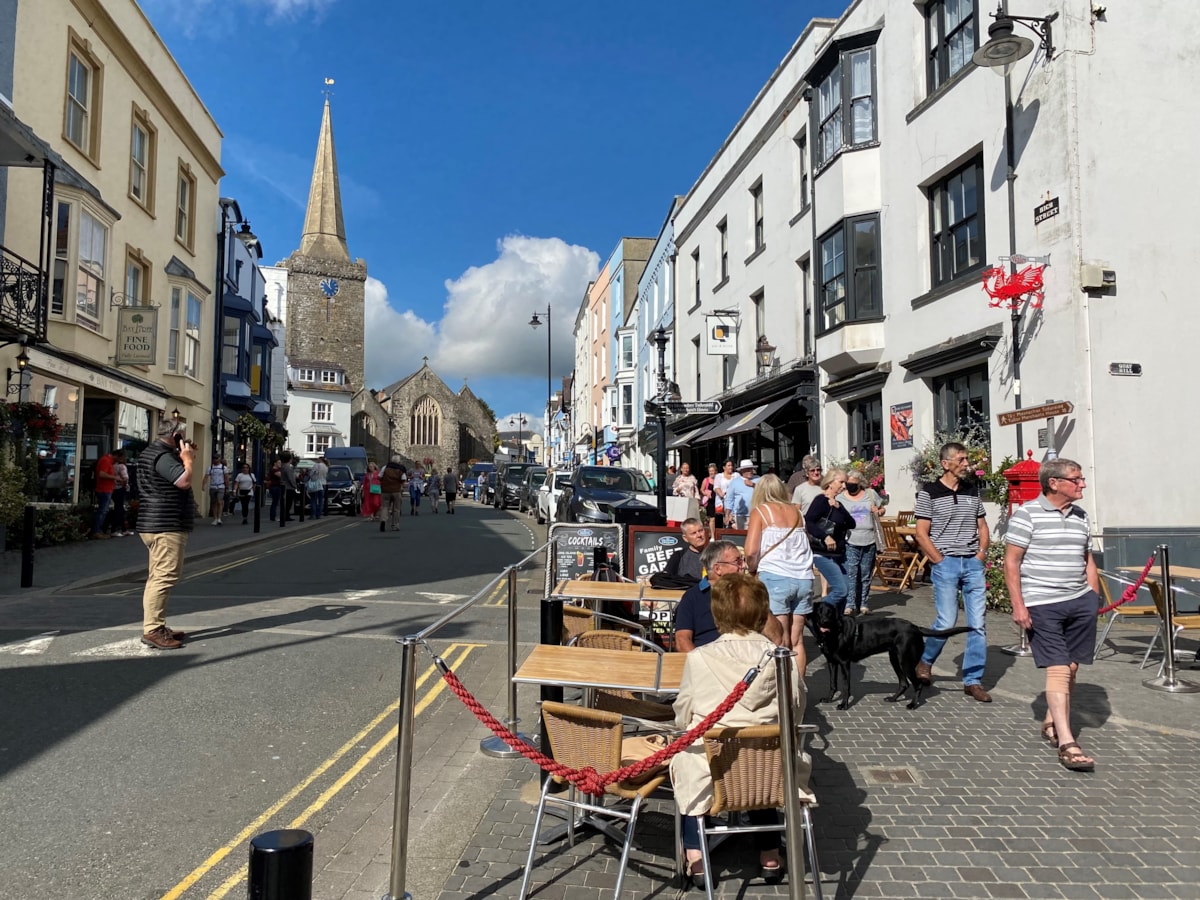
(856, 209)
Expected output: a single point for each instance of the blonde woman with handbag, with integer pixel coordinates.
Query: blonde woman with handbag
(778, 551)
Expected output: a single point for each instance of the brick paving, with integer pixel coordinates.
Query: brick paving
(954, 800)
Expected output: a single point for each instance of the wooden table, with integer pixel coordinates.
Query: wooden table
(1176, 571)
(627, 591)
(584, 667)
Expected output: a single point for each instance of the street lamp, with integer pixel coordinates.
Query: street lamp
(391, 430)
(520, 421)
(1001, 52)
(534, 323)
(22, 365)
(764, 350)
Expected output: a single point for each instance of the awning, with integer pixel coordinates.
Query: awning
(746, 421)
(263, 333)
(237, 305)
(321, 428)
(686, 438)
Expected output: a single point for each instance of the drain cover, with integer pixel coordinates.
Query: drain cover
(891, 776)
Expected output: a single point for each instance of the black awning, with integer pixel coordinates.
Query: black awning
(745, 421)
(682, 440)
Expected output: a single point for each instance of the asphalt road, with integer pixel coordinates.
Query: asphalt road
(130, 773)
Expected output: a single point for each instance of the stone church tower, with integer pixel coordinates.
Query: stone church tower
(325, 316)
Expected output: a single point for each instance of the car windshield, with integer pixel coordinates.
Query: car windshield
(614, 480)
(515, 476)
(339, 473)
(561, 481)
(537, 478)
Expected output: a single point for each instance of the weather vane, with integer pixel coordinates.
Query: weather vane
(327, 92)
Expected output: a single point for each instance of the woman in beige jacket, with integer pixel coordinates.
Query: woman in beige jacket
(740, 608)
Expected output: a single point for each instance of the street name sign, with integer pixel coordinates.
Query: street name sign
(1045, 411)
(689, 407)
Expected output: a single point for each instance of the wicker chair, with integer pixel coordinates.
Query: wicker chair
(747, 773)
(1128, 611)
(581, 737)
(578, 619)
(625, 703)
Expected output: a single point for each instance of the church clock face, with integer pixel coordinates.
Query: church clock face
(329, 287)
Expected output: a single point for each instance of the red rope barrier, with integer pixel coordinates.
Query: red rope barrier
(587, 779)
(1131, 591)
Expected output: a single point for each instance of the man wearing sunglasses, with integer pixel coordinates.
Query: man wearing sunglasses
(1055, 591)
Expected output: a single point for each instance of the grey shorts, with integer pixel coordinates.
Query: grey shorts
(1064, 632)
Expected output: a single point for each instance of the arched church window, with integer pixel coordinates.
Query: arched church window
(426, 423)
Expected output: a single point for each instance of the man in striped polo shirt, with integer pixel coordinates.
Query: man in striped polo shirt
(953, 533)
(1055, 592)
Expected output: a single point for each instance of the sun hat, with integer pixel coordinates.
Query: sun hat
(746, 464)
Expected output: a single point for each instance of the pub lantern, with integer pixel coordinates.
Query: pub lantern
(1023, 482)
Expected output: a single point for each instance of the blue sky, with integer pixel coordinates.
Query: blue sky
(491, 154)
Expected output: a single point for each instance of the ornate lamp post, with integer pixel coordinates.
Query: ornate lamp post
(534, 323)
(520, 421)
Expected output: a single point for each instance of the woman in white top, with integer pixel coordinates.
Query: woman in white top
(720, 487)
(244, 484)
(777, 550)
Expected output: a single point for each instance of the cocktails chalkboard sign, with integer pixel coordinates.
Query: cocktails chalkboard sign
(572, 547)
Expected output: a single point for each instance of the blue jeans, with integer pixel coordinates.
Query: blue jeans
(102, 502)
(860, 568)
(316, 503)
(951, 575)
(275, 491)
(833, 570)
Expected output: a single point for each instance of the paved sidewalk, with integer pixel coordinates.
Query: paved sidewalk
(956, 799)
(83, 563)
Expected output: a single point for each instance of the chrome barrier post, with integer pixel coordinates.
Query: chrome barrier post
(793, 827)
(494, 746)
(404, 748)
(1168, 681)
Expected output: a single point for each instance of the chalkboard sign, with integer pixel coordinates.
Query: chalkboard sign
(649, 547)
(735, 536)
(572, 547)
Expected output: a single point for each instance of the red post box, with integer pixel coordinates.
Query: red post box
(1023, 483)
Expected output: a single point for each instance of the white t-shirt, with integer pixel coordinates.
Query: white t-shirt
(216, 478)
(244, 481)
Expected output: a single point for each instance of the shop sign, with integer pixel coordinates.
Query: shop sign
(137, 336)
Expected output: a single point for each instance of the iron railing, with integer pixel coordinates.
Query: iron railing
(22, 297)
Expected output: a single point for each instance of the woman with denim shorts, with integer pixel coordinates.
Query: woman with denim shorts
(777, 550)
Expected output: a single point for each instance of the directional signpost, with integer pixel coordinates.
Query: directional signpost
(682, 407)
(1029, 413)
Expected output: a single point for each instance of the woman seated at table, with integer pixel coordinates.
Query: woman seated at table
(740, 608)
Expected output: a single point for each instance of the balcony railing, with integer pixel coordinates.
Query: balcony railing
(22, 297)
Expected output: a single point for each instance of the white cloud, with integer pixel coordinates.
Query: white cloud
(485, 331)
(210, 16)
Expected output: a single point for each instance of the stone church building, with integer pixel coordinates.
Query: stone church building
(422, 419)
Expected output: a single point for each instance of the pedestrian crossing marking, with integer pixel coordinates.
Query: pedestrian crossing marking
(442, 598)
(130, 647)
(34, 646)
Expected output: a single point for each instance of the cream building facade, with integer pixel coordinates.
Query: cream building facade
(98, 84)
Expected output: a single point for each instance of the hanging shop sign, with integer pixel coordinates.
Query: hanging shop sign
(137, 336)
(721, 329)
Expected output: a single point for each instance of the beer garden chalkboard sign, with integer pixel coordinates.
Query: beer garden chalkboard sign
(572, 547)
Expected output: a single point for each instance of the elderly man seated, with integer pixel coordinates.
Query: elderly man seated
(694, 624)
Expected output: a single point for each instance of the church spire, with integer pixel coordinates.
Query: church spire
(324, 229)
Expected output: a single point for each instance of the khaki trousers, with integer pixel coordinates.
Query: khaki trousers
(392, 509)
(166, 565)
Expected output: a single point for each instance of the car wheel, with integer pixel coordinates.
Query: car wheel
(541, 520)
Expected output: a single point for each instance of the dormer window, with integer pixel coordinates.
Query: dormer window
(306, 375)
(329, 376)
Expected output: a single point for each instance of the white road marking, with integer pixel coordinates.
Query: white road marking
(34, 646)
(442, 598)
(131, 647)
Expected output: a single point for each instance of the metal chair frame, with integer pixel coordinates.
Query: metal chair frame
(747, 774)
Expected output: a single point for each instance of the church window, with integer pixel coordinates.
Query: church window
(426, 422)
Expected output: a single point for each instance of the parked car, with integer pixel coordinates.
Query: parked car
(354, 457)
(548, 494)
(508, 484)
(608, 494)
(343, 492)
(527, 499)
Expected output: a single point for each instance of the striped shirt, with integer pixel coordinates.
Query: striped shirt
(953, 517)
(1056, 541)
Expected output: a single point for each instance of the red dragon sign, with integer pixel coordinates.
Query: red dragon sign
(1007, 288)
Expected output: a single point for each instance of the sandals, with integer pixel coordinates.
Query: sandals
(771, 870)
(1050, 734)
(1073, 758)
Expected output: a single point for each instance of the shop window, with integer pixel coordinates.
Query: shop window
(865, 427)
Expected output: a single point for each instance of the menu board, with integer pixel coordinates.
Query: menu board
(572, 548)
(649, 547)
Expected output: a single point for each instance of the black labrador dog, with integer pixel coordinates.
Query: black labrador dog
(845, 639)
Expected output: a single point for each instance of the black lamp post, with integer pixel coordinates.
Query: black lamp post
(1001, 52)
(534, 323)
(660, 450)
(391, 431)
(520, 422)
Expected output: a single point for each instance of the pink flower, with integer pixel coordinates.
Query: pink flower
(979, 473)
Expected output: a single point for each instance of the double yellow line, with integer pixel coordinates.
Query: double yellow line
(388, 739)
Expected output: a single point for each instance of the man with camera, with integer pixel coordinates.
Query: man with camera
(166, 514)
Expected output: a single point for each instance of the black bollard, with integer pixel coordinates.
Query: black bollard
(382, 525)
(281, 865)
(27, 539)
(300, 497)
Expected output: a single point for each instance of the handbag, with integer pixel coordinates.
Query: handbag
(827, 525)
(376, 488)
